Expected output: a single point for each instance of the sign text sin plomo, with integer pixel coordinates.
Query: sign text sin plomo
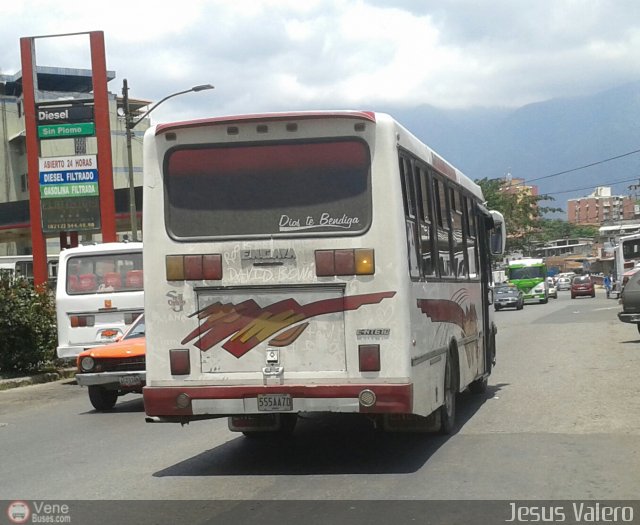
(57, 131)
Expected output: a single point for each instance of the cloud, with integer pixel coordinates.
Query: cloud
(287, 54)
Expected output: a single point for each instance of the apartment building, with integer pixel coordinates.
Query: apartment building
(601, 207)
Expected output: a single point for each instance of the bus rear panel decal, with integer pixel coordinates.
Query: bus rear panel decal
(247, 324)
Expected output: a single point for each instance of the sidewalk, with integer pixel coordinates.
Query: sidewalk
(46, 377)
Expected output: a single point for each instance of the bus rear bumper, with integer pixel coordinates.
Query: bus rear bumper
(184, 403)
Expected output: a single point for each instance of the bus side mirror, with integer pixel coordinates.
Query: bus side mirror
(498, 235)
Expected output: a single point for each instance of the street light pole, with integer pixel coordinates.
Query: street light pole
(133, 214)
(129, 125)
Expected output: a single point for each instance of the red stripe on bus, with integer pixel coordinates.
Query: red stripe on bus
(161, 401)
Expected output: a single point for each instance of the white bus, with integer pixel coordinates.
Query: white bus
(626, 257)
(98, 295)
(14, 266)
(312, 262)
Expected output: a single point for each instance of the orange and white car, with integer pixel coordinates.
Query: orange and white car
(114, 369)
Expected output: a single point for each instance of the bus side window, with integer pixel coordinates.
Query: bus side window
(443, 229)
(470, 242)
(423, 190)
(410, 217)
(459, 251)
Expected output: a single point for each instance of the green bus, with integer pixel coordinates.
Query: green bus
(530, 276)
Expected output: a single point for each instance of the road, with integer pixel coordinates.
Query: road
(561, 420)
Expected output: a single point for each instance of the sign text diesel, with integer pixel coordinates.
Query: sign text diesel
(73, 113)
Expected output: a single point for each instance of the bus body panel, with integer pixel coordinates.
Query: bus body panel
(98, 294)
(270, 309)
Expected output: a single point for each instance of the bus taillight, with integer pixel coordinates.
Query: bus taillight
(360, 261)
(179, 362)
(82, 321)
(369, 358)
(194, 267)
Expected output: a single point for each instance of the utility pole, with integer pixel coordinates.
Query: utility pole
(128, 124)
(634, 188)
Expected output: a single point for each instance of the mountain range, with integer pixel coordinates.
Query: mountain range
(537, 141)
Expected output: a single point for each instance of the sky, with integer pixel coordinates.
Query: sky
(274, 55)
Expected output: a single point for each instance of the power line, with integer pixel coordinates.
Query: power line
(591, 187)
(585, 166)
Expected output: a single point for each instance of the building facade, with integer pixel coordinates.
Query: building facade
(601, 208)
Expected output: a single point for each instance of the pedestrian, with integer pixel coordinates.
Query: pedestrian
(607, 284)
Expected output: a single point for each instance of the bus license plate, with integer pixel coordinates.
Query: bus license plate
(274, 402)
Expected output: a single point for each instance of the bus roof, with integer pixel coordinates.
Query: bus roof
(630, 237)
(255, 117)
(105, 247)
(525, 262)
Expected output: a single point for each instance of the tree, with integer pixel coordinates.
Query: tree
(552, 229)
(523, 213)
(28, 335)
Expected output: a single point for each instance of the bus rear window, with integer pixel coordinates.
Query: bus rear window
(291, 188)
(121, 272)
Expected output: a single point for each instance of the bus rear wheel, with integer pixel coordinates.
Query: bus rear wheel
(448, 409)
(479, 386)
(102, 399)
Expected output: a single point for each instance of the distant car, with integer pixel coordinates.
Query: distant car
(563, 283)
(508, 296)
(115, 369)
(553, 291)
(582, 285)
(630, 299)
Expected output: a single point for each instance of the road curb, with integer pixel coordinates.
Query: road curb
(46, 377)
